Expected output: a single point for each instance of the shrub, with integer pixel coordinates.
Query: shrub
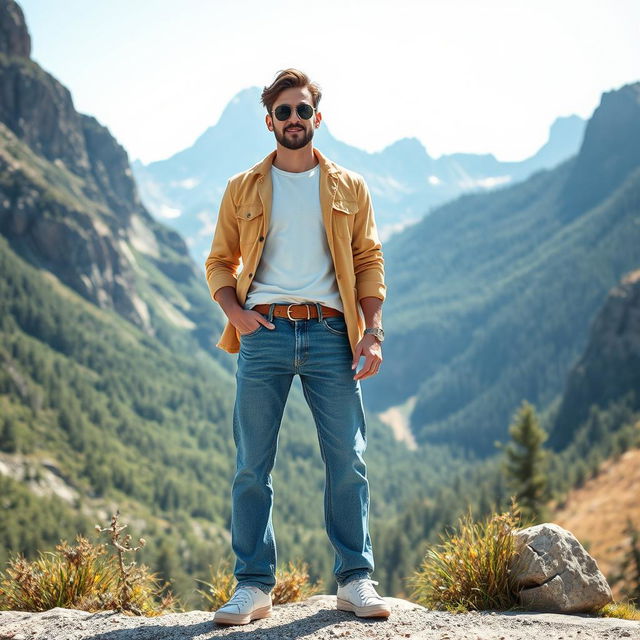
(76, 577)
(292, 584)
(470, 570)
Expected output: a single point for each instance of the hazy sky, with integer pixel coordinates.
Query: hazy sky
(460, 75)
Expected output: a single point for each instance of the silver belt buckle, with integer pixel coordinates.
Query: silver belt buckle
(295, 303)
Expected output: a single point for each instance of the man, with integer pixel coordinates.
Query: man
(304, 228)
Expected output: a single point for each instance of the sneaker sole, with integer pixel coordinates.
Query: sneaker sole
(242, 618)
(372, 611)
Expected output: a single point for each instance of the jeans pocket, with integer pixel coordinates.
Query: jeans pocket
(335, 324)
(252, 333)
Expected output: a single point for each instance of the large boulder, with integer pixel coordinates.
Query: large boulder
(554, 572)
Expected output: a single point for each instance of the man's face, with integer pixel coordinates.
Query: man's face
(294, 132)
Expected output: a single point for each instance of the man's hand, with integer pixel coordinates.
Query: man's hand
(244, 320)
(371, 349)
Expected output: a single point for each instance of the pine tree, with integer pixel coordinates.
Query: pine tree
(525, 463)
(8, 435)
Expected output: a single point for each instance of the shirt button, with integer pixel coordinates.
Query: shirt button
(251, 275)
(261, 238)
(248, 215)
(339, 276)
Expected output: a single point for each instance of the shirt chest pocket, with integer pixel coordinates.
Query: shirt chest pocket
(249, 217)
(343, 215)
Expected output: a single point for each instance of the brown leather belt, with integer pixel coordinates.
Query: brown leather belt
(297, 311)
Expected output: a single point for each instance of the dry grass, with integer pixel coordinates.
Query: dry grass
(623, 609)
(83, 577)
(221, 587)
(470, 570)
(292, 585)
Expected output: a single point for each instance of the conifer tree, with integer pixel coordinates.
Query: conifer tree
(8, 435)
(525, 464)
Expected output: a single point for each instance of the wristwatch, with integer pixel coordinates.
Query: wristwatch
(378, 332)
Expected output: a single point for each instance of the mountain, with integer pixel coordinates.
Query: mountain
(491, 296)
(185, 189)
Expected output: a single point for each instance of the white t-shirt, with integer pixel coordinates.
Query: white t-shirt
(296, 264)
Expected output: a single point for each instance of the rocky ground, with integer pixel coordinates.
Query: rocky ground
(316, 619)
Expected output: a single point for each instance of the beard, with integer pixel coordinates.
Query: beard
(296, 141)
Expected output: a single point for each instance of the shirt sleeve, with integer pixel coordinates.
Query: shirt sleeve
(223, 261)
(368, 260)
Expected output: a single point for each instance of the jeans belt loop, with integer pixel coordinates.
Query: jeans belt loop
(271, 308)
(319, 308)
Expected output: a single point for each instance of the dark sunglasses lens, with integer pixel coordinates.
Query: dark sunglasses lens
(305, 111)
(282, 112)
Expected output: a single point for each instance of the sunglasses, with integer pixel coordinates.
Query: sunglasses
(283, 111)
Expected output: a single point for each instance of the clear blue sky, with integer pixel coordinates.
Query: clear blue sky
(460, 75)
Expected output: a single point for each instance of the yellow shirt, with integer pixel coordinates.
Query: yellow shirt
(352, 236)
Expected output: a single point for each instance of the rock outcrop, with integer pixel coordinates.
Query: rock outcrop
(610, 366)
(14, 37)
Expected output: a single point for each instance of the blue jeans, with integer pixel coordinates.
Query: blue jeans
(318, 350)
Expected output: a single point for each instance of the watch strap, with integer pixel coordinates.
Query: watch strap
(378, 332)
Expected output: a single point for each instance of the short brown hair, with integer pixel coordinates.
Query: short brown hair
(286, 79)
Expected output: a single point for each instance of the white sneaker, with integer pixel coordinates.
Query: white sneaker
(246, 604)
(361, 597)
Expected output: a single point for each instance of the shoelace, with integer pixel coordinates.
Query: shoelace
(365, 588)
(240, 597)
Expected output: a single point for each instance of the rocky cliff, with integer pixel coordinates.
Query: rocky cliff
(610, 366)
(609, 151)
(14, 37)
